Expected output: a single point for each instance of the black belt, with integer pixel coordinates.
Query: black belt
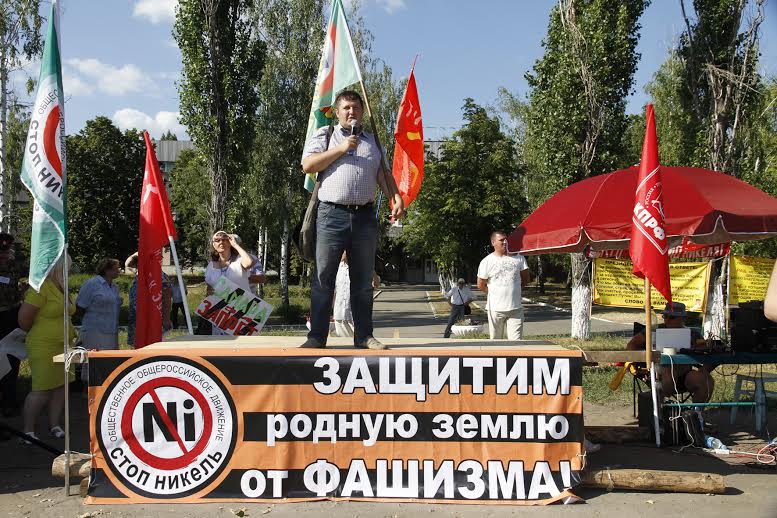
(352, 208)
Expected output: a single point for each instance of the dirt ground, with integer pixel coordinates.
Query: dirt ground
(28, 489)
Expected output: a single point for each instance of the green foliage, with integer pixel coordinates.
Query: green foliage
(219, 91)
(20, 23)
(21, 214)
(676, 128)
(189, 190)
(474, 188)
(273, 193)
(105, 176)
(20, 39)
(718, 82)
(169, 135)
(576, 119)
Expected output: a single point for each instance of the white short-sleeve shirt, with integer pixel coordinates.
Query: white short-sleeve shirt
(503, 274)
(234, 272)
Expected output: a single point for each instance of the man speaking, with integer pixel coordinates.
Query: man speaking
(348, 163)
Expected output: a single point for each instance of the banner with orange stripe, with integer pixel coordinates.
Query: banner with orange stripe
(272, 425)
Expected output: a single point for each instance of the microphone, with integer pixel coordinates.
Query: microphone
(356, 129)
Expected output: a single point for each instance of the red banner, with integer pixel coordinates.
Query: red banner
(408, 167)
(685, 250)
(648, 247)
(156, 224)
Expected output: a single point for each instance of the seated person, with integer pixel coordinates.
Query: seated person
(698, 381)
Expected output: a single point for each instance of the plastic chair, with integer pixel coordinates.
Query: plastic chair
(759, 394)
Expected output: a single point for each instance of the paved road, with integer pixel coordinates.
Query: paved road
(405, 307)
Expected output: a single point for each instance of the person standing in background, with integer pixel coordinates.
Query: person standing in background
(41, 315)
(98, 304)
(458, 297)
(178, 298)
(501, 277)
(10, 300)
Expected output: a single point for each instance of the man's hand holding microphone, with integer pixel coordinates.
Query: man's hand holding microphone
(348, 146)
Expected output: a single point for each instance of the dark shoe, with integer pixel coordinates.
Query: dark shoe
(372, 343)
(312, 343)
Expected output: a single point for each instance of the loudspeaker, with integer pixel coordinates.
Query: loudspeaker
(751, 331)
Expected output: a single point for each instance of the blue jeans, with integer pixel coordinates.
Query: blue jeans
(354, 231)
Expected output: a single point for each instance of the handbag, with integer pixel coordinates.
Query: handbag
(304, 235)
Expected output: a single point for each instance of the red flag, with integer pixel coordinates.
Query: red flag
(648, 247)
(408, 167)
(156, 224)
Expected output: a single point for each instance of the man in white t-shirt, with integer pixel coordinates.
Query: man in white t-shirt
(501, 276)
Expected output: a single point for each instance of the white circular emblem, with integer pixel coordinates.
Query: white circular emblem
(166, 427)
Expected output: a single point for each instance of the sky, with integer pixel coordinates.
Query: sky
(120, 59)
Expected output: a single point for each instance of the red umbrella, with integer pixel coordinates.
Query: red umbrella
(711, 207)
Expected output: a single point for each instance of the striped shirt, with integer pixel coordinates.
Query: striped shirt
(351, 179)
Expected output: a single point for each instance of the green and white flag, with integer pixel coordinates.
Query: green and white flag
(43, 167)
(337, 70)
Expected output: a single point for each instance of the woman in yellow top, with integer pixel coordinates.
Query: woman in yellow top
(41, 316)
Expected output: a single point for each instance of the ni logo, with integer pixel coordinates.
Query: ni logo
(166, 427)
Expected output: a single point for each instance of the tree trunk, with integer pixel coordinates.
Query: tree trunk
(581, 297)
(5, 216)
(541, 274)
(715, 314)
(217, 166)
(285, 263)
(262, 255)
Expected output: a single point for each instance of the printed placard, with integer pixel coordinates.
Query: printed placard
(616, 285)
(234, 310)
(749, 278)
(274, 425)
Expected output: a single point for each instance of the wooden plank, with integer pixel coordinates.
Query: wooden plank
(76, 461)
(654, 480)
(594, 357)
(83, 488)
(617, 434)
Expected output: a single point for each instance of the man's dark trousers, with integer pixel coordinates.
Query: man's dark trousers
(337, 229)
(457, 313)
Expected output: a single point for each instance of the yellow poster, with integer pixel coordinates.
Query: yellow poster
(616, 285)
(749, 278)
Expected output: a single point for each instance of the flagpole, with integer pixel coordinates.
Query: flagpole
(64, 257)
(181, 286)
(66, 362)
(390, 186)
(649, 360)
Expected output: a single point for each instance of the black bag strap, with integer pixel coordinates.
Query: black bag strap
(329, 131)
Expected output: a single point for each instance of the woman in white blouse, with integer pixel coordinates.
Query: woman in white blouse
(230, 260)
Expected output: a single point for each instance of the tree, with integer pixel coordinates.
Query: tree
(719, 49)
(190, 214)
(169, 135)
(273, 194)
(105, 176)
(219, 91)
(21, 213)
(20, 39)
(576, 117)
(719, 93)
(471, 190)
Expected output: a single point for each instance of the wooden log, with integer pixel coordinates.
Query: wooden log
(617, 434)
(85, 469)
(84, 487)
(594, 357)
(76, 461)
(654, 480)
